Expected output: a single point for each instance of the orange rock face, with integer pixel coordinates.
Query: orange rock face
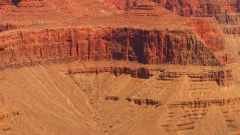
(5, 5)
(209, 32)
(149, 47)
(184, 7)
(118, 66)
(201, 7)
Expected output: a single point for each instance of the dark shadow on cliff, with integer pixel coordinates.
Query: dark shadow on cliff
(138, 46)
(15, 2)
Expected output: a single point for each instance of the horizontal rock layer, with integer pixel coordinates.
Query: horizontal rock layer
(183, 7)
(201, 7)
(227, 18)
(224, 78)
(235, 30)
(134, 72)
(204, 103)
(144, 46)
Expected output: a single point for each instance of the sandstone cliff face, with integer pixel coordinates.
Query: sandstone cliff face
(232, 30)
(175, 46)
(221, 9)
(5, 2)
(225, 17)
(201, 7)
(209, 32)
(5, 6)
(150, 47)
(183, 7)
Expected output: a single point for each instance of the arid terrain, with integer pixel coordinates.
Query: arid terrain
(120, 67)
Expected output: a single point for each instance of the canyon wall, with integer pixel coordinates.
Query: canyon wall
(5, 6)
(201, 7)
(144, 46)
(226, 18)
(209, 32)
(184, 7)
(221, 9)
(235, 30)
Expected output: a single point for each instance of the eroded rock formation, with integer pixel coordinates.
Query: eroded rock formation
(144, 101)
(73, 64)
(223, 78)
(183, 7)
(150, 47)
(201, 7)
(204, 103)
(134, 72)
(112, 98)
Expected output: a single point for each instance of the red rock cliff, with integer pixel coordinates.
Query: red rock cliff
(201, 7)
(184, 7)
(209, 32)
(175, 47)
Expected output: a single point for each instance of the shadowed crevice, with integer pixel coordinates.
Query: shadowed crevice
(15, 2)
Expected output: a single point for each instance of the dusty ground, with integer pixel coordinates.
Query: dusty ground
(48, 101)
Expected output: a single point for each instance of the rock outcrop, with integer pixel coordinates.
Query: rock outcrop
(235, 30)
(227, 18)
(209, 32)
(226, 58)
(223, 78)
(115, 98)
(204, 103)
(134, 72)
(144, 101)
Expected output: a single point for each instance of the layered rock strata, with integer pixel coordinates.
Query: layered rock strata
(204, 103)
(235, 30)
(224, 78)
(134, 72)
(5, 6)
(223, 10)
(144, 46)
(153, 45)
(209, 32)
(183, 7)
(201, 7)
(164, 41)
